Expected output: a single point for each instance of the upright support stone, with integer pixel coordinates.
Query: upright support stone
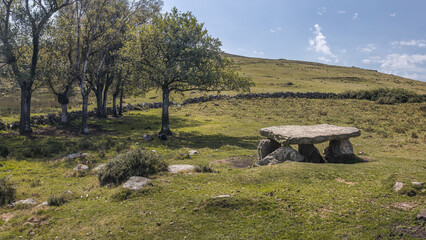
(339, 151)
(311, 153)
(266, 146)
(282, 154)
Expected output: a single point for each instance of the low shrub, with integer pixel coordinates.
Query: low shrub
(204, 169)
(4, 150)
(386, 95)
(133, 163)
(56, 200)
(7, 191)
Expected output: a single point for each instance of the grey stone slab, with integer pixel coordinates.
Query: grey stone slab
(295, 134)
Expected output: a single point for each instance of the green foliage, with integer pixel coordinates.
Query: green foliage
(4, 150)
(56, 200)
(203, 169)
(133, 163)
(7, 191)
(387, 95)
(175, 52)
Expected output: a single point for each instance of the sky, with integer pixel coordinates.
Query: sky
(384, 35)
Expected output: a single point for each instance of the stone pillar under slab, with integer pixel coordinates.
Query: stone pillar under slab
(311, 153)
(340, 151)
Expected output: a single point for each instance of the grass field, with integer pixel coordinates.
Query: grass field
(284, 201)
(290, 200)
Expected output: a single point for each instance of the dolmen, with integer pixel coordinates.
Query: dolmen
(276, 147)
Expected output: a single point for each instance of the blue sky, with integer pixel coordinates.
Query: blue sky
(386, 35)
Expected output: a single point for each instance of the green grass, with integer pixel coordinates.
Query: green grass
(283, 201)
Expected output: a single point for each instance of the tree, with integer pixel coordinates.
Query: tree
(22, 24)
(119, 15)
(176, 54)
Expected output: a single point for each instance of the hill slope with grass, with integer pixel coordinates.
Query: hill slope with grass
(298, 76)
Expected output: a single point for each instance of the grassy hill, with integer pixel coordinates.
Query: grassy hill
(283, 201)
(287, 75)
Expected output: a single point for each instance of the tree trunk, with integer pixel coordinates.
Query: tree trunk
(165, 125)
(63, 100)
(120, 110)
(104, 102)
(64, 114)
(25, 119)
(114, 104)
(84, 128)
(98, 93)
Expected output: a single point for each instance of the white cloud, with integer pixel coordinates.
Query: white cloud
(392, 14)
(415, 43)
(319, 44)
(355, 16)
(410, 66)
(368, 49)
(273, 30)
(321, 11)
(257, 52)
(341, 12)
(404, 62)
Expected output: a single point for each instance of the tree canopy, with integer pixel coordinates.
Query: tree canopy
(175, 53)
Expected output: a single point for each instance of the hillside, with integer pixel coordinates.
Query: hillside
(298, 76)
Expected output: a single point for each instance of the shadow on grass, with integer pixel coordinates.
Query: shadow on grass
(213, 141)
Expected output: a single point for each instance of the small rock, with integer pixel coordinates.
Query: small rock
(181, 168)
(223, 196)
(68, 192)
(193, 152)
(71, 157)
(28, 201)
(147, 137)
(398, 186)
(421, 215)
(81, 167)
(418, 184)
(136, 183)
(42, 204)
(100, 167)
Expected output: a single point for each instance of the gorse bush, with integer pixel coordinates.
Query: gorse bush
(7, 191)
(134, 163)
(386, 95)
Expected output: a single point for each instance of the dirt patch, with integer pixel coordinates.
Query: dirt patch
(6, 216)
(405, 205)
(341, 180)
(237, 162)
(418, 232)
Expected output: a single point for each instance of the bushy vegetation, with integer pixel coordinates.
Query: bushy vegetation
(386, 95)
(4, 150)
(7, 191)
(137, 162)
(56, 200)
